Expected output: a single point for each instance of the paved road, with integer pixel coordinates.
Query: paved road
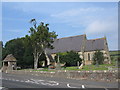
(32, 81)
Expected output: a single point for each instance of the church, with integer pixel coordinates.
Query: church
(80, 44)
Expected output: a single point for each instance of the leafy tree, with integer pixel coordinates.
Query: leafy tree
(98, 58)
(40, 38)
(16, 48)
(28, 59)
(20, 51)
(70, 58)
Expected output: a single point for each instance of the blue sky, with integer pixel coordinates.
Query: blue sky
(65, 18)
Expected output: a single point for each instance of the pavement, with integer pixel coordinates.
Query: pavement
(32, 81)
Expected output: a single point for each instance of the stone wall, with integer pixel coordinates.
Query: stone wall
(91, 53)
(110, 76)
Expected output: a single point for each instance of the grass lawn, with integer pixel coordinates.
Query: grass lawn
(85, 68)
(91, 67)
(48, 70)
(114, 55)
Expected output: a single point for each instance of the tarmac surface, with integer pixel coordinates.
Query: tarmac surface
(17, 81)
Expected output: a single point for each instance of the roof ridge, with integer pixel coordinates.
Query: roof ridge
(10, 57)
(96, 39)
(71, 36)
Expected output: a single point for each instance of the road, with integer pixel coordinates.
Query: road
(32, 81)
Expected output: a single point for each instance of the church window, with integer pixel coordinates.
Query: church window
(88, 56)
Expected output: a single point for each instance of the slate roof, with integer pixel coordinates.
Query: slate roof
(75, 43)
(95, 44)
(10, 57)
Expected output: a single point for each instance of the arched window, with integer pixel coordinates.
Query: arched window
(88, 56)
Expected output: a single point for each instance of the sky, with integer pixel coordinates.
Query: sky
(95, 19)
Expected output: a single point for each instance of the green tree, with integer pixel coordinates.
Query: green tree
(70, 58)
(98, 58)
(16, 48)
(23, 53)
(40, 38)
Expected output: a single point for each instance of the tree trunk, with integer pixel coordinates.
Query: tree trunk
(35, 61)
(36, 57)
(48, 60)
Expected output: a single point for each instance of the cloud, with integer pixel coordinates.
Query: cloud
(76, 12)
(104, 28)
(81, 17)
(101, 27)
(95, 22)
(92, 19)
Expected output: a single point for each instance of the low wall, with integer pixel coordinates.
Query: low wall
(86, 75)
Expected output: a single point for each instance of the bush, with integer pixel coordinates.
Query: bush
(98, 58)
(70, 58)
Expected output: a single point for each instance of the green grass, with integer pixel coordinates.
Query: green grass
(48, 70)
(75, 68)
(114, 58)
(114, 52)
(91, 67)
(45, 69)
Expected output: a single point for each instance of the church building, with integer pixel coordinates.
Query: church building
(80, 44)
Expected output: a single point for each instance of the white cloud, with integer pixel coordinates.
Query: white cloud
(78, 17)
(76, 12)
(101, 27)
(104, 28)
(96, 22)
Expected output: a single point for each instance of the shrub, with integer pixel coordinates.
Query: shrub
(70, 58)
(98, 58)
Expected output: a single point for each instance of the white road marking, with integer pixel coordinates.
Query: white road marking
(22, 81)
(29, 81)
(16, 80)
(51, 83)
(9, 79)
(83, 86)
(1, 88)
(41, 80)
(55, 83)
(48, 84)
(68, 85)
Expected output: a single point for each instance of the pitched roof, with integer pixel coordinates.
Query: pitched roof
(95, 44)
(10, 57)
(73, 43)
